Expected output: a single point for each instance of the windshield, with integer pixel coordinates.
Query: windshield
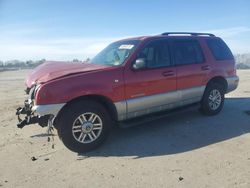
(116, 53)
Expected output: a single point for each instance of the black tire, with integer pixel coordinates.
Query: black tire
(70, 115)
(206, 109)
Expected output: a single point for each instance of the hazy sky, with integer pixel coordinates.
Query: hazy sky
(67, 29)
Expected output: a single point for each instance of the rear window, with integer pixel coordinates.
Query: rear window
(187, 51)
(219, 49)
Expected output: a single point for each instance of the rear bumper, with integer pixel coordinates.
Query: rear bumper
(232, 83)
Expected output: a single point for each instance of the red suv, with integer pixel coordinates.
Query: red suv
(128, 79)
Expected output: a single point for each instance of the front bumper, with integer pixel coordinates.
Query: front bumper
(232, 83)
(40, 114)
(51, 109)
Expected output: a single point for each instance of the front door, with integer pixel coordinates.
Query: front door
(152, 88)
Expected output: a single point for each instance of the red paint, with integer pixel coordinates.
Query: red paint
(55, 69)
(62, 82)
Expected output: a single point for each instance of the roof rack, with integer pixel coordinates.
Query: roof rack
(188, 33)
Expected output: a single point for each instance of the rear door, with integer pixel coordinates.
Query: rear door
(149, 89)
(191, 68)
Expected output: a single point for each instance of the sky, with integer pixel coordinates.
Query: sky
(69, 29)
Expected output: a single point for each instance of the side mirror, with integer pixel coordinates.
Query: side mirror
(139, 64)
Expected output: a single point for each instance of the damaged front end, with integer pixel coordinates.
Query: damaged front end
(30, 116)
(44, 115)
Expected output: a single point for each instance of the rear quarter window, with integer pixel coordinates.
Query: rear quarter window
(187, 51)
(219, 49)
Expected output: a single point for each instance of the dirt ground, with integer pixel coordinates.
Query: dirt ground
(183, 150)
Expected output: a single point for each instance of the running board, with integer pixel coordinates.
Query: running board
(156, 116)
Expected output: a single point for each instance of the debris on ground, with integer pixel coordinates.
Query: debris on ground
(181, 178)
(33, 158)
(46, 159)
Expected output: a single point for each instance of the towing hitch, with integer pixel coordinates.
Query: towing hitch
(30, 118)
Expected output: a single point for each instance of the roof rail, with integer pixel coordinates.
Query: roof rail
(188, 33)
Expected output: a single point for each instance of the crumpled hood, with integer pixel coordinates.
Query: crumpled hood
(55, 69)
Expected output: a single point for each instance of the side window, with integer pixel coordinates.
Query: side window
(219, 49)
(187, 51)
(156, 54)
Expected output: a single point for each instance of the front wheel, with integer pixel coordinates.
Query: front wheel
(83, 126)
(213, 99)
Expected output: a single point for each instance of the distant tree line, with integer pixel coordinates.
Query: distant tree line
(242, 62)
(20, 64)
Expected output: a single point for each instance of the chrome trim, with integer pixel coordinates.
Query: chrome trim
(31, 93)
(154, 103)
(52, 109)
(36, 89)
(232, 83)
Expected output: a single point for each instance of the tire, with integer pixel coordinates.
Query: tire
(78, 131)
(208, 102)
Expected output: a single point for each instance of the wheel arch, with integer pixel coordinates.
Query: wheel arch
(219, 80)
(106, 102)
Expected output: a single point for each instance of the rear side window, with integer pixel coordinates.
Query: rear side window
(219, 49)
(186, 51)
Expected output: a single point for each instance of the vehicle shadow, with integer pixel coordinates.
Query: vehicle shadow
(181, 132)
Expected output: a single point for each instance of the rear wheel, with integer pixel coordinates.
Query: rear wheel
(83, 126)
(213, 99)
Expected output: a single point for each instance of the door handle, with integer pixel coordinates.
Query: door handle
(205, 67)
(168, 73)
